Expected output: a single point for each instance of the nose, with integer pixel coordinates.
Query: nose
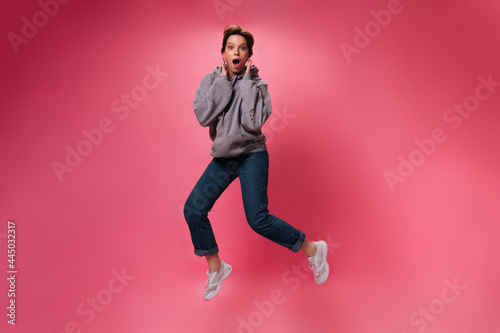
(237, 51)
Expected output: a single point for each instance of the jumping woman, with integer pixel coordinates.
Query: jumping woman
(234, 103)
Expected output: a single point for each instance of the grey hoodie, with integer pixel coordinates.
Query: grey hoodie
(235, 110)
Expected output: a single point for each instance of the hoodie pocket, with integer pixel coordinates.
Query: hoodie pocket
(250, 135)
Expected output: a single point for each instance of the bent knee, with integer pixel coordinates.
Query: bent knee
(258, 222)
(190, 213)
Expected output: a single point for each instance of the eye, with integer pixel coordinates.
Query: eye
(243, 48)
(230, 47)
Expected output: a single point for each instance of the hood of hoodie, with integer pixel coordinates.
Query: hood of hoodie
(254, 72)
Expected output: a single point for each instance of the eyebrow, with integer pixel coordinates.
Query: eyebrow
(234, 44)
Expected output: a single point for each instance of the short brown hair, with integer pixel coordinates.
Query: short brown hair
(230, 30)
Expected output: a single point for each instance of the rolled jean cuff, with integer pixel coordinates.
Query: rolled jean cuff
(202, 253)
(296, 247)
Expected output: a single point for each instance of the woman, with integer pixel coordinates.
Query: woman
(234, 103)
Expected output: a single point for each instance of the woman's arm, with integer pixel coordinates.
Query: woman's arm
(256, 106)
(212, 98)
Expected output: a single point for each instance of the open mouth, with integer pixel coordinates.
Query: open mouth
(236, 63)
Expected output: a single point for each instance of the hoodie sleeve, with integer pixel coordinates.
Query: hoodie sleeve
(211, 98)
(256, 106)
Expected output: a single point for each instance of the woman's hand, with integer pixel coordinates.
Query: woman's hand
(249, 63)
(223, 70)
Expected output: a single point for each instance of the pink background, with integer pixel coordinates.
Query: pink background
(338, 126)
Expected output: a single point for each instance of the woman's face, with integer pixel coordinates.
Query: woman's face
(235, 54)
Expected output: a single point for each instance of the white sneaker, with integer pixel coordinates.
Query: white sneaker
(215, 279)
(318, 263)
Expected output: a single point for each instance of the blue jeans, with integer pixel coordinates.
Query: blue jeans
(252, 169)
